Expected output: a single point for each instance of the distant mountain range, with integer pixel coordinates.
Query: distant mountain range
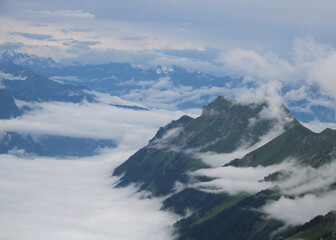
(173, 86)
(225, 125)
(20, 83)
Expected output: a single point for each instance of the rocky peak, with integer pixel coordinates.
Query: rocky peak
(232, 109)
(25, 59)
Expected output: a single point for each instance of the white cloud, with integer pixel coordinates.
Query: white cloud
(266, 66)
(317, 126)
(74, 198)
(307, 50)
(91, 120)
(297, 94)
(163, 83)
(307, 179)
(303, 179)
(164, 141)
(301, 209)
(309, 72)
(216, 160)
(160, 95)
(8, 76)
(46, 198)
(114, 100)
(308, 188)
(312, 62)
(234, 180)
(66, 13)
(61, 79)
(324, 73)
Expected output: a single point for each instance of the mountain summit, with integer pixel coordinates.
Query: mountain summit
(224, 126)
(267, 134)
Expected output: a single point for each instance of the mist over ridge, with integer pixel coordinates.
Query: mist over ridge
(184, 120)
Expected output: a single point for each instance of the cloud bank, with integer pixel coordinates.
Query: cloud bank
(46, 198)
(301, 209)
(306, 192)
(74, 198)
(91, 120)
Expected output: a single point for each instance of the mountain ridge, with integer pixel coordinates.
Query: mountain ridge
(194, 89)
(173, 150)
(223, 215)
(307, 147)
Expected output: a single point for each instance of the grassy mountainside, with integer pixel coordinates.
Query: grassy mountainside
(307, 147)
(158, 168)
(237, 217)
(245, 210)
(320, 227)
(192, 199)
(223, 127)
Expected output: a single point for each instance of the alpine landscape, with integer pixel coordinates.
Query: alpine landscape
(164, 120)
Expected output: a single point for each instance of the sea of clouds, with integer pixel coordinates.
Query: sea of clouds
(74, 198)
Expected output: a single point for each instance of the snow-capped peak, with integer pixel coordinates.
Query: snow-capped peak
(164, 69)
(25, 59)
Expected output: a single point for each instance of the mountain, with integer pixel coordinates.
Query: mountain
(27, 60)
(121, 79)
(51, 145)
(224, 126)
(124, 80)
(234, 218)
(111, 77)
(307, 147)
(230, 134)
(158, 168)
(172, 86)
(20, 83)
(23, 84)
(8, 108)
(238, 217)
(321, 227)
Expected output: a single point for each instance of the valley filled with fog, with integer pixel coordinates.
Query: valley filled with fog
(72, 198)
(184, 120)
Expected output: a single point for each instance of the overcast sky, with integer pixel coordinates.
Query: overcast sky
(65, 29)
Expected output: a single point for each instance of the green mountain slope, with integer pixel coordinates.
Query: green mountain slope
(191, 199)
(320, 227)
(223, 127)
(307, 147)
(158, 168)
(237, 217)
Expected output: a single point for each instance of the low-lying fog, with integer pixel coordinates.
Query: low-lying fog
(46, 198)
